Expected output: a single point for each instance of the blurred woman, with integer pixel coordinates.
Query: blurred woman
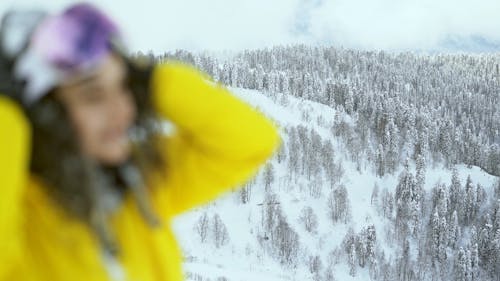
(89, 179)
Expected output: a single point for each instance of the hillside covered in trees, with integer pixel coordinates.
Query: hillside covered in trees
(389, 169)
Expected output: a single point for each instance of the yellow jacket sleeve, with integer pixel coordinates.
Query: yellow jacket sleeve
(14, 150)
(220, 141)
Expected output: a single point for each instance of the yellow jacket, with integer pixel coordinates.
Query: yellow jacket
(220, 142)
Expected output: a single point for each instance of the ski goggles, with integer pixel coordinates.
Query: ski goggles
(59, 47)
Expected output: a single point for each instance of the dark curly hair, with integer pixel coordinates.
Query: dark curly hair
(79, 185)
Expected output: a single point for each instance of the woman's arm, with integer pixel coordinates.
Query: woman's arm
(14, 157)
(220, 141)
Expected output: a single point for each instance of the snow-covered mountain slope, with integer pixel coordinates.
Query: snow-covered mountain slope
(243, 253)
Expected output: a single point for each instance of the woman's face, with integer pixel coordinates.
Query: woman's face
(102, 110)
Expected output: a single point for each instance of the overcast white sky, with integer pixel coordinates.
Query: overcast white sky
(244, 24)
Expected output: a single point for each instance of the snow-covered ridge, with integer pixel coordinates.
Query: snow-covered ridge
(243, 250)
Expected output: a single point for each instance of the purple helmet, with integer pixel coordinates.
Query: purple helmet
(72, 42)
